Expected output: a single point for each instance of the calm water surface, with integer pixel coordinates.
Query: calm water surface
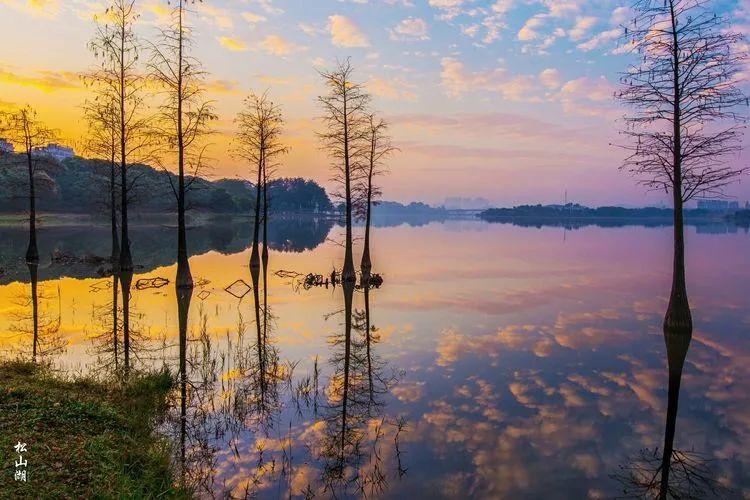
(500, 361)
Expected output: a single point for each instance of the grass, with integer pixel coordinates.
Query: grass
(85, 438)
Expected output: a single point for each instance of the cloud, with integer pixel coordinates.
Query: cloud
(310, 29)
(620, 15)
(550, 78)
(509, 127)
(503, 6)
(233, 44)
(600, 39)
(395, 89)
(160, 10)
(37, 8)
(581, 28)
(44, 80)
(274, 80)
(253, 18)
(345, 33)
(268, 7)
(276, 45)
(563, 8)
(222, 86)
(588, 96)
(410, 29)
(529, 31)
(457, 81)
(448, 8)
(221, 18)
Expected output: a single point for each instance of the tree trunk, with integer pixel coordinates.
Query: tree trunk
(184, 277)
(678, 316)
(113, 213)
(678, 325)
(255, 254)
(32, 253)
(366, 265)
(348, 274)
(264, 258)
(265, 216)
(126, 259)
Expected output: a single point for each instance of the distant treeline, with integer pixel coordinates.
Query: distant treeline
(741, 218)
(78, 185)
(574, 211)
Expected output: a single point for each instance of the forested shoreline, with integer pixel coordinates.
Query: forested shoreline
(80, 186)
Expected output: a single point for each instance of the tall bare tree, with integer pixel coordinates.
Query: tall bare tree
(685, 123)
(118, 109)
(28, 134)
(119, 83)
(185, 116)
(103, 141)
(258, 142)
(344, 137)
(379, 148)
(684, 128)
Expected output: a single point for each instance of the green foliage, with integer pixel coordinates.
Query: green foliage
(85, 438)
(78, 185)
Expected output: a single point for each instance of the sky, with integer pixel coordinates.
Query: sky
(510, 100)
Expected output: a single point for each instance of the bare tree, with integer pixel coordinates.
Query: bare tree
(345, 139)
(119, 85)
(103, 142)
(684, 124)
(118, 110)
(28, 134)
(184, 118)
(368, 192)
(258, 142)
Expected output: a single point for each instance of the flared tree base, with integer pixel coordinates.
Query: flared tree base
(678, 320)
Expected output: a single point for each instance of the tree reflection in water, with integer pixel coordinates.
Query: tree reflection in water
(671, 473)
(36, 321)
(243, 403)
(107, 341)
(355, 425)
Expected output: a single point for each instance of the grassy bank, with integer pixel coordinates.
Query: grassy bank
(84, 438)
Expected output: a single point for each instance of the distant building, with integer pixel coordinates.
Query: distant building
(718, 205)
(56, 151)
(5, 146)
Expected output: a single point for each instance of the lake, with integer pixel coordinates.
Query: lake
(494, 360)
